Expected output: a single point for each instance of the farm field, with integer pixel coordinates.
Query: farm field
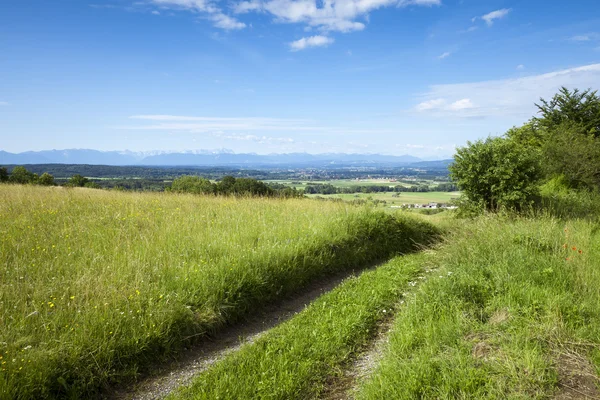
(342, 182)
(96, 285)
(402, 198)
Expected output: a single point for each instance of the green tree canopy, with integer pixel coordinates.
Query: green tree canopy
(46, 179)
(3, 174)
(571, 153)
(575, 107)
(497, 173)
(193, 184)
(77, 181)
(21, 175)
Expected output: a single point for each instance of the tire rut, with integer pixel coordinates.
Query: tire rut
(164, 380)
(362, 366)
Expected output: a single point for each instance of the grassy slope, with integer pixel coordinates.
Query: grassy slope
(96, 284)
(514, 297)
(294, 360)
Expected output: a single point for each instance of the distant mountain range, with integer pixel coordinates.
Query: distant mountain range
(208, 158)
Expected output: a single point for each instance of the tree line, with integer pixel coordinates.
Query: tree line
(326, 188)
(23, 176)
(228, 185)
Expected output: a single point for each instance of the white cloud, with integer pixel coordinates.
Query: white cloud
(312, 41)
(462, 104)
(431, 104)
(520, 67)
(155, 12)
(504, 97)
(444, 55)
(494, 15)
(226, 22)
(4, 103)
(325, 15)
(443, 105)
(212, 12)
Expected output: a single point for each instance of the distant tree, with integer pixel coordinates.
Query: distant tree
(497, 173)
(225, 185)
(46, 179)
(193, 184)
(21, 175)
(92, 185)
(77, 181)
(251, 187)
(3, 175)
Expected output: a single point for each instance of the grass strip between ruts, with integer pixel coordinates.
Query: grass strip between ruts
(295, 359)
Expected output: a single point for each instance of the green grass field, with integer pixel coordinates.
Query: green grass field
(96, 285)
(403, 198)
(512, 314)
(507, 310)
(343, 183)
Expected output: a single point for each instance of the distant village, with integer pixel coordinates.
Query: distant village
(431, 205)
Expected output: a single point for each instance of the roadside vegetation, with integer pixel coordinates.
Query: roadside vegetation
(512, 313)
(96, 285)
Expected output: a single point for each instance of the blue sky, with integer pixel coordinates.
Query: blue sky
(369, 76)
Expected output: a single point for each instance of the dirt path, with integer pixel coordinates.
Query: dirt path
(361, 367)
(204, 354)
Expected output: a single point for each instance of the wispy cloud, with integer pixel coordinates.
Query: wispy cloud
(239, 126)
(312, 41)
(444, 105)
(588, 37)
(205, 8)
(490, 17)
(340, 16)
(520, 67)
(505, 97)
(220, 124)
(254, 138)
(4, 103)
(580, 38)
(444, 55)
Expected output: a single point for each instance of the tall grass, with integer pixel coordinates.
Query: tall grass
(95, 285)
(512, 297)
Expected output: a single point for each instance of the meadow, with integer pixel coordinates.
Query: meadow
(504, 308)
(396, 199)
(97, 285)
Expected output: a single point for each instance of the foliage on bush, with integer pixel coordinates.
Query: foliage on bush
(507, 171)
(497, 173)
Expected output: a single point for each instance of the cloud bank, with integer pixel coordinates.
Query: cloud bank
(513, 97)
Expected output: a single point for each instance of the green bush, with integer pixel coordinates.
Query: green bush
(497, 173)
